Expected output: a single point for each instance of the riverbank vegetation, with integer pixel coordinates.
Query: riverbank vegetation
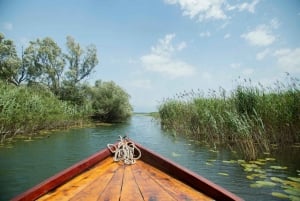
(45, 88)
(251, 118)
(26, 110)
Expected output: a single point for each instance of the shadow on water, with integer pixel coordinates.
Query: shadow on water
(26, 163)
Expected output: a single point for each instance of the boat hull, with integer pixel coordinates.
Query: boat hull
(177, 181)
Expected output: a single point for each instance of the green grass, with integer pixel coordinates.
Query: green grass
(249, 119)
(25, 110)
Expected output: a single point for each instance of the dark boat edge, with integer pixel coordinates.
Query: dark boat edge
(175, 170)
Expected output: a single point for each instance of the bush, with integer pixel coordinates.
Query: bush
(110, 102)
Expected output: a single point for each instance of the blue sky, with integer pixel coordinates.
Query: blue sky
(155, 49)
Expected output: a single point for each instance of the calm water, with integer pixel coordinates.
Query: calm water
(26, 163)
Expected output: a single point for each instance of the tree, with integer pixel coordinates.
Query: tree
(78, 95)
(45, 63)
(110, 102)
(10, 63)
(81, 63)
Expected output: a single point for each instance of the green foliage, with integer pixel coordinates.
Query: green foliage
(53, 95)
(81, 63)
(79, 95)
(28, 109)
(45, 63)
(250, 119)
(110, 102)
(9, 61)
(279, 109)
(245, 99)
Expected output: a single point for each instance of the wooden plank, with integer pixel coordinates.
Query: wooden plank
(94, 189)
(149, 189)
(112, 190)
(81, 182)
(190, 178)
(173, 186)
(130, 187)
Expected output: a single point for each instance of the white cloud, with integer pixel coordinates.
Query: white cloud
(166, 65)
(8, 26)
(202, 9)
(164, 46)
(205, 34)
(161, 59)
(261, 55)
(211, 9)
(225, 24)
(226, 36)
(250, 7)
(289, 59)
(261, 36)
(181, 46)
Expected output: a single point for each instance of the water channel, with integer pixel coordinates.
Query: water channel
(26, 163)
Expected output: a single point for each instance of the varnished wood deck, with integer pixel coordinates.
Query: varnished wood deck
(152, 178)
(109, 180)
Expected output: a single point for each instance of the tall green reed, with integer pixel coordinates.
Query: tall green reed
(25, 110)
(249, 119)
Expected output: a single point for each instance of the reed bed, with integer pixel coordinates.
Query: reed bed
(249, 118)
(25, 110)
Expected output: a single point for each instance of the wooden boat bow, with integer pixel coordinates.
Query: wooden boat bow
(153, 177)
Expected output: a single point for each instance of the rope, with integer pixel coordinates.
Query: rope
(124, 151)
